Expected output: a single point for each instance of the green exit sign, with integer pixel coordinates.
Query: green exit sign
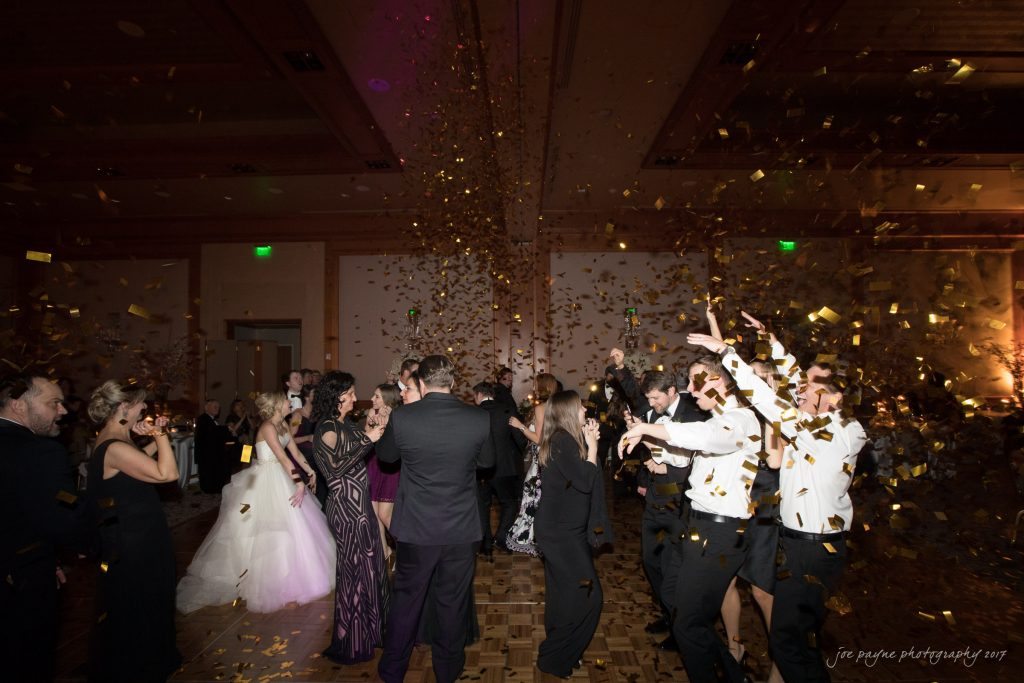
(262, 251)
(785, 245)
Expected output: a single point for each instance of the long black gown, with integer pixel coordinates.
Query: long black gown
(362, 593)
(134, 638)
(572, 591)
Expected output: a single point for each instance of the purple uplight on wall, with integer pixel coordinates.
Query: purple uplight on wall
(378, 85)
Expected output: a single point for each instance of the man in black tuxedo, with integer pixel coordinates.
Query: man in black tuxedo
(40, 512)
(441, 443)
(662, 486)
(210, 447)
(503, 390)
(504, 480)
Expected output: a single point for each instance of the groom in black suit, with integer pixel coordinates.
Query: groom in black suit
(40, 512)
(441, 443)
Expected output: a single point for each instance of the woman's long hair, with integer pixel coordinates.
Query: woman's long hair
(325, 399)
(390, 395)
(562, 411)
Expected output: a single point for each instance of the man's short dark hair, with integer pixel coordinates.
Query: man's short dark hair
(713, 364)
(288, 375)
(657, 380)
(437, 372)
(504, 370)
(408, 364)
(485, 389)
(15, 386)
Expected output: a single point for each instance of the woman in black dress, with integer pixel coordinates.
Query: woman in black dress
(134, 637)
(570, 514)
(362, 593)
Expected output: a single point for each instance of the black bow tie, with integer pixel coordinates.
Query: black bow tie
(657, 415)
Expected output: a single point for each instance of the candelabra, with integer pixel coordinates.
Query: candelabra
(632, 328)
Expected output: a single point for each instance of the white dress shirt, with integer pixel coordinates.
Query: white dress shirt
(683, 457)
(817, 467)
(726, 464)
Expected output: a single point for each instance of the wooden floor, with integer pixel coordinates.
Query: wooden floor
(231, 644)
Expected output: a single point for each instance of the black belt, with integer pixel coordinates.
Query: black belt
(763, 465)
(807, 536)
(708, 517)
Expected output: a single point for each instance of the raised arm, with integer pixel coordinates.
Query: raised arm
(343, 449)
(123, 456)
(637, 401)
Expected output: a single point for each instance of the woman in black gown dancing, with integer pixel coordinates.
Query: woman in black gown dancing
(570, 513)
(134, 637)
(362, 592)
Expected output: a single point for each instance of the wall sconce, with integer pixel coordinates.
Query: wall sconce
(632, 330)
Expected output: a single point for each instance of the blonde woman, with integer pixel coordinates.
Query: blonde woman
(134, 640)
(270, 545)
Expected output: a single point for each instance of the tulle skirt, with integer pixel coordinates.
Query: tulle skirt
(261, 549)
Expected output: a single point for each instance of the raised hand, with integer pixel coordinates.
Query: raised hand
(710, 343)
(716, 332)
(758, 325)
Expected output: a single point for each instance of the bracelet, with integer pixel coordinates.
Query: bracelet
(156, 434)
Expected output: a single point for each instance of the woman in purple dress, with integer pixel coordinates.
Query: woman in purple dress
(362, 593)
(383, 477)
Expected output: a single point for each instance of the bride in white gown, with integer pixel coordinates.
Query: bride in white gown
(270, 545)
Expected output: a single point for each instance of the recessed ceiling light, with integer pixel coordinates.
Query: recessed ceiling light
(275, 190)
(345, 195)
(378, 85)
(227, 197)
(130, 28)
(362, 188)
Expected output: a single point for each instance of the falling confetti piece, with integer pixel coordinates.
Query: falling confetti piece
(757, 175)
(41, 256)
(139, 311)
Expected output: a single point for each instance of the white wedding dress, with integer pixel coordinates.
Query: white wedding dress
(262, 549)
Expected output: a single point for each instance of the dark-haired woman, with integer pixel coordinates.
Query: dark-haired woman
(570, 518)
(362, 592)
(134, 639)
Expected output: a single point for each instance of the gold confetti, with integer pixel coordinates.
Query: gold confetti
(949, 617)
(830, 548)
(104, 567)
(246, 453)
(757, 175)
(40, 256)
(139, 311)
(245, 508)
(67, 498)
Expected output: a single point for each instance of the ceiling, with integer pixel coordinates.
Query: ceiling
(510, 113)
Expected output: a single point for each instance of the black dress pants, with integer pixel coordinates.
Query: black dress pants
(799, 609)
(712, 553)
(28, 622)
(660, 529)
(449, 568)
(572, 603)
(507, 490)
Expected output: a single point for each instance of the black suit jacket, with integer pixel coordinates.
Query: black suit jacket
(38, 502)
(503, 395)
(508, 443)
(669, 487)
(210, 436)
(441, 442)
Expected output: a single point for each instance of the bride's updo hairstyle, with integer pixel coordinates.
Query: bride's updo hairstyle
(106, 399)
(266, 404)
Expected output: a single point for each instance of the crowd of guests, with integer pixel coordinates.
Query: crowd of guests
(738, 463)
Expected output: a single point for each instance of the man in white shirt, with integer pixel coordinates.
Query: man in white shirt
(817, 469)
(713, 546)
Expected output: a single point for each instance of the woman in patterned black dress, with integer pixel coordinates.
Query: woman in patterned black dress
(362, 592)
